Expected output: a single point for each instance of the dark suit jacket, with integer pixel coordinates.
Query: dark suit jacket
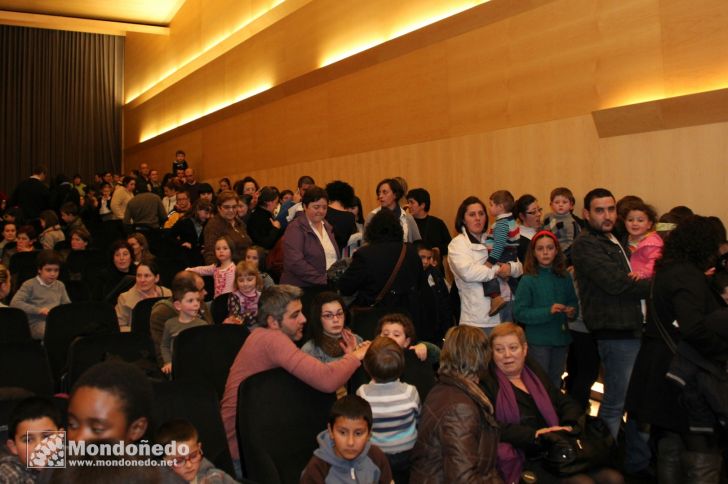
(32, 196)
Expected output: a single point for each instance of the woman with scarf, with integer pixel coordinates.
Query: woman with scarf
(527, 407)
(457, 438)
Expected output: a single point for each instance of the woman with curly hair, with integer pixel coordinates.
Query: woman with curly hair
(682, 299)
(371, 267)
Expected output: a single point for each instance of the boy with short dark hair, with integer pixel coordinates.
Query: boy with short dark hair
(72, 219)
(187, 302)
(192, 466)
(395, 405)
(345, 454)
(502, 241)
(32, 420)
(561, 222)
(39, 295)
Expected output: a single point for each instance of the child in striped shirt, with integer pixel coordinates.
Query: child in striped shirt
(395, 405)
(502, 241)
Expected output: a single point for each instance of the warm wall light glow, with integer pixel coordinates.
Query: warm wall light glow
(410, 25)
(152, 132)
(211, 45)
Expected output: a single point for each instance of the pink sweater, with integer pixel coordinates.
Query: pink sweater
(224, 278)
(644, 255)
(266, 349)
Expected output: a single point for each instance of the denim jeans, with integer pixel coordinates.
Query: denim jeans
(552, 359)
(618, 357)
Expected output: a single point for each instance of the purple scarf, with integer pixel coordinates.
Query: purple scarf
(510, 459)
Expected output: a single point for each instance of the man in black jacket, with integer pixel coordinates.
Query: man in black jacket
(610, 300)
(31, 194)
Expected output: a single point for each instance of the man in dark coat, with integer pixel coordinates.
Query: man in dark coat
(31, 195)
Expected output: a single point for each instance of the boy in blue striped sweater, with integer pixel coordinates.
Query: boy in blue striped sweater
(395, 405)
(502, 242)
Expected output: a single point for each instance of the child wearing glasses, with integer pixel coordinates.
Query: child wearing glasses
(328, 324)
(190, 463)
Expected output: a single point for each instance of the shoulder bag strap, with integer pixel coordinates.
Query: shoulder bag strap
(392, 276)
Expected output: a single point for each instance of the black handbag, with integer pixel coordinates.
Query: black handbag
(565, 454)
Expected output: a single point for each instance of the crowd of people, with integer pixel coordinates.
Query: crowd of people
(501, 311)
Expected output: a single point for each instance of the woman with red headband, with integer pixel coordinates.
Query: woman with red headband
(544, 302)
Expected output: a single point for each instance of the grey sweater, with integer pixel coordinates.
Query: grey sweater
(34, 295)
(172, 328)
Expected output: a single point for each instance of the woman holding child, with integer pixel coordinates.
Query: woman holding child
(458, 436)
(467, 255)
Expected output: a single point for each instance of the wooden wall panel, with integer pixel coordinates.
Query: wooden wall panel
(504, 105)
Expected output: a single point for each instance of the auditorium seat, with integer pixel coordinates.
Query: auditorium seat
(69, 321)
(278, 419)
(205, 354)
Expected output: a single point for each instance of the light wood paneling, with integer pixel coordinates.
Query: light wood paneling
(676, 112)
(502, 105)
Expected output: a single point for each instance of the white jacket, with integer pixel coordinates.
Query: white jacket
(467, 261)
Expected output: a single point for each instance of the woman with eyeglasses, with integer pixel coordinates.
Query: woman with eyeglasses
(528, 214)
(328, 324)
(226, 222)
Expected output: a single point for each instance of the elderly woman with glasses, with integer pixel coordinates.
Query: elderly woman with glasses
(226, 222)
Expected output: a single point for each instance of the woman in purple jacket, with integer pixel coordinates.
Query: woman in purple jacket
(309, 246)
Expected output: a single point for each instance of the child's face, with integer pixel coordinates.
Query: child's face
(106, 191)
(24, 443)
(350, 436)
(66, 217)
(49, 273)
(95, 414)
(495, 209)
(561, 205)
(637, 223)
(77, 243)
(286, 198)
(247, 283)
(252, 256)
(23, 242)
(9, 232)
(222, 251)
(187, 466)
(425, 257)
(333, 318)
(9, 218)
(206, 196)
(122, 259)
(136, 247)
(545, 251)
(396, 332)
(241, 209)
(203, 215)
(189, 304)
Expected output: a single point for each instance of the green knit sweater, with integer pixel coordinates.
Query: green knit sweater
(534, 298)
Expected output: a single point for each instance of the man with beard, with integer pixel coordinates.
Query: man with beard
(610, 300)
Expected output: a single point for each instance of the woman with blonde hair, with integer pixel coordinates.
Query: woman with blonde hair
(458, 436)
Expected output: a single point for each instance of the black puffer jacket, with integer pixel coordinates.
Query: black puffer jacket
(457, 440)
(610, 299)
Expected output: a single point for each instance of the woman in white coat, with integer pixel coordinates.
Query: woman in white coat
(467, 255)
